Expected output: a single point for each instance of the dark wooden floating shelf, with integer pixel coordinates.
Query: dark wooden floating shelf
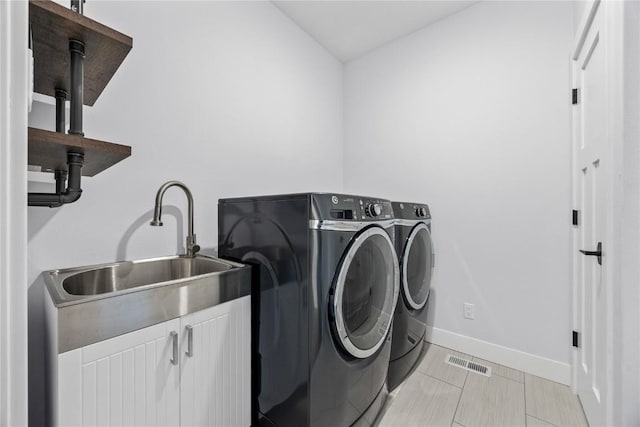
(52, 26)
(49, 151)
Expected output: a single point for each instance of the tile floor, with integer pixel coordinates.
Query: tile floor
(438, 394)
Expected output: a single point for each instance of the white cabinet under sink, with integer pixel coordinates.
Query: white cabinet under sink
(133, 379)
(215, 380)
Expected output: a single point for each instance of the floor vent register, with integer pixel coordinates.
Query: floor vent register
(459, 362)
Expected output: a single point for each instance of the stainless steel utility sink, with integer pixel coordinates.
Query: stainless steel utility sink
(132, 274)
(94, 303)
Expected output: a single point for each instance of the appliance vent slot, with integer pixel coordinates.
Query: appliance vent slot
(468, 365)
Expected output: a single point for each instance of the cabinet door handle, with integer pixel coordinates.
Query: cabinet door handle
(189, 351)
(174, 355)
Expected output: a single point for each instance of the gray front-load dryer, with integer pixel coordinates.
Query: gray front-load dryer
(326, 282)
(416, 260)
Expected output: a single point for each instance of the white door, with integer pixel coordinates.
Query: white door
(128, 380)
(216, 366)
(592, 169)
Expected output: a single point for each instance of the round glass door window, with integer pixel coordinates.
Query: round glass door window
(366, 291)
(417, 267)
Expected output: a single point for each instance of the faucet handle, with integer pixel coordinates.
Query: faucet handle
(192, 246)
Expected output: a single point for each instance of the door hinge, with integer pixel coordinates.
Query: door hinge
(575, 339)
(574, 96)
(574, 217)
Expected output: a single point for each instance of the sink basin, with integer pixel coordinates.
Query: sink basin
(94, 303)
(132, 274)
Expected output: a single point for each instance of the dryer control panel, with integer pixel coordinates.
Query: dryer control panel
(409, 210)
(344, 207)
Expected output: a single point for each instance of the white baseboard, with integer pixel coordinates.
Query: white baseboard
(516, 359)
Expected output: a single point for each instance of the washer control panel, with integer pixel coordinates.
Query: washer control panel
(350, 208)
(421, 212)
(409, 210)
(373, 210)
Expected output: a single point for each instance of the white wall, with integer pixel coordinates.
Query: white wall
(472, 115)
(231, 98)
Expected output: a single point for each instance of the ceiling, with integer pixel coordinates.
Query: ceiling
(349, 29)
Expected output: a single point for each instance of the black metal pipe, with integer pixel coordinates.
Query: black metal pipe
(61, 98)
(75, 162)
(76, 48)
(61, 180)
(73, 192)
(78, 6)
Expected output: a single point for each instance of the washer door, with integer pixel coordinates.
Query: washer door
(417, 267)
(366, 292)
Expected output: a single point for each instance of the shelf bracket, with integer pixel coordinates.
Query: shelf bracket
(75, 161)
(61, 98)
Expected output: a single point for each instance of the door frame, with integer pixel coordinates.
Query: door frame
(13, 213)
(622, 227)
(627, 320)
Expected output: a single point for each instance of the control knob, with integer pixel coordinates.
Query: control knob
(421, 212)
(373, 209)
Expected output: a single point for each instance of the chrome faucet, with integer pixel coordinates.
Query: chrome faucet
(192, 247)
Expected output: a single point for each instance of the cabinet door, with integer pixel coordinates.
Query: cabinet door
(215, 381)
(126, 380)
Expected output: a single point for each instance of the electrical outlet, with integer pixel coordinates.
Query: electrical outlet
(468, 311)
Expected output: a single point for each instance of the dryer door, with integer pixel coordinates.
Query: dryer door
(366, 291)
(417, 266)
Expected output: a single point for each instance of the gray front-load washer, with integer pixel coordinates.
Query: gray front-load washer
(325, 286)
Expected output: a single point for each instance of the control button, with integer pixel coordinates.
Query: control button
(337, 214)
(373, 209)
